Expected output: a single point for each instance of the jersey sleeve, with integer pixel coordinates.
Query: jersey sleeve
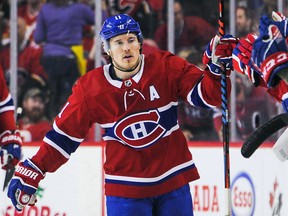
(200, 87)
(6, 106)
(279, 92)
(69, 130)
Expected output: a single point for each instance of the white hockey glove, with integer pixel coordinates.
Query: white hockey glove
(281, 146)
(23, 186)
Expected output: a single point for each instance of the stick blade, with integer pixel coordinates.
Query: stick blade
(8, 176)
(253, 142)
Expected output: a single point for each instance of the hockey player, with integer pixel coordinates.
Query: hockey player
(148, 164)
(264, 60)
(10, 140)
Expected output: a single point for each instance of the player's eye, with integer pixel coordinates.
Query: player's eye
(131, 40)
(119, 43)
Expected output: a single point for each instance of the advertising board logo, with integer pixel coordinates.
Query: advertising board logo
(275, 199)
(243, 195)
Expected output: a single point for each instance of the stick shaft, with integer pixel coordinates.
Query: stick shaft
(10, 168)
(225, 118)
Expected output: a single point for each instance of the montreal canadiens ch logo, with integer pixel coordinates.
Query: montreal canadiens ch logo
(140, 130)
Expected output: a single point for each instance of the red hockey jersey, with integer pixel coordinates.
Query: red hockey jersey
(7, 121)
(146, 152)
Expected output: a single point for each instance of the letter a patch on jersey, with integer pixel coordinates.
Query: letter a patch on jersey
(153, 93)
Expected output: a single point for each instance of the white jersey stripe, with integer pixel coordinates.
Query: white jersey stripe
(6, 100)
(150, 180)
(75, 139)
(8, 108)
(54, 145)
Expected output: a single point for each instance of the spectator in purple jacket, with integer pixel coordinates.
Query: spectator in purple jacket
(59, 28)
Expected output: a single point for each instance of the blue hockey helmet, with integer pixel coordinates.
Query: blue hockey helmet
(117, 25)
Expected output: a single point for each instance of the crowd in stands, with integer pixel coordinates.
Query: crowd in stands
(56, 47)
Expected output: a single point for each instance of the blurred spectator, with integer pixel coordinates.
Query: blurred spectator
(244, 22)
(5, 8)
(146, 13)
(59, 28)
(198, 124)
(2, 24)
(189, 31)
(25, 82)
(88, 31)
(208, 10)
(253, 107)
(192, 55)
(33, 124)
(267, 7)
(29, 12)
(29, 57)
(157, 7)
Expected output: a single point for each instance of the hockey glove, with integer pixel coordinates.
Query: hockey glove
(285, 102)
(219, 53)
(241, 58)
(24, 184)
(269, 56)
(279, 20)
(10, 152)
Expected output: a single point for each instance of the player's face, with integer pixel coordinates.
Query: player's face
(178, 14)
(242, 24)
(125, 51)
(34, 108)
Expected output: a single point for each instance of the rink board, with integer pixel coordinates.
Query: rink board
(258, 184)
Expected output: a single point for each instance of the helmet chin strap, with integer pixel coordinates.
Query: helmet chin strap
(128, 70)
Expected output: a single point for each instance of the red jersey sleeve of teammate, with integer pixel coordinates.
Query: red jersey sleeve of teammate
(6, 106)
(279, 92)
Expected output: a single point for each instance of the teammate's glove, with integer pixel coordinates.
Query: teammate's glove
(10, 152)
(285, 105)
(279, 20)
(219, 53)
(241, 58)
(269, 55)
(24, 184)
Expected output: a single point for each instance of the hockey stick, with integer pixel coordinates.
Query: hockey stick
(10, 168)
(253, 142)
(225, 118)
(9, 172)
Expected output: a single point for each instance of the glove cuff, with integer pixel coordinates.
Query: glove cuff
(30, 173)
(272, 65)
(214, 69)
(33, 165)
(10, 137)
